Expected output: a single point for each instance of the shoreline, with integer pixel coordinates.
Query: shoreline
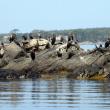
(82, 65)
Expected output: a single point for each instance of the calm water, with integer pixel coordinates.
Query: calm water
(88, 46)
(60, 94)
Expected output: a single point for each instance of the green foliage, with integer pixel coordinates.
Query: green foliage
(91, 34)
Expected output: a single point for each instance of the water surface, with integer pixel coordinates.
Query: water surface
(60, 94)
(88, 46)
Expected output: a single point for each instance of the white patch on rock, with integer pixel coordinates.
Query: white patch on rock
(82, 59)
(2, 51)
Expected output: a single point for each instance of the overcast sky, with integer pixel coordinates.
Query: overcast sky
(27, 15)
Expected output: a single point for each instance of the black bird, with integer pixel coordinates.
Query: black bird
(61, 39)
(12, 38)
(47, 46)
(40, 36)
(70, 54)
(17, 43)
(30, 36)
(107, 43)
(32, 54)
(100, 46)
(24, 37)
(59, 54)
(69, 44)
(70, 37)
(2, 44)
(53, 39)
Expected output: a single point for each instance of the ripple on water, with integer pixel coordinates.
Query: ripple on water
(63, 94)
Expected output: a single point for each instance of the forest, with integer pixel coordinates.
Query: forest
(89, 34)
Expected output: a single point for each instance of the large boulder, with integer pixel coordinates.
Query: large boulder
(13, 51)
(35, 42)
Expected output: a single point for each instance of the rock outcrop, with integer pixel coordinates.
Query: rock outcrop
(81, 65)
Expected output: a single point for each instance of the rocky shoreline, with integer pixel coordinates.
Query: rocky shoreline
(82, 65)
(16, 64)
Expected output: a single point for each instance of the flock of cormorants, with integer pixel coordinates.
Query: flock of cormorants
(71, 39)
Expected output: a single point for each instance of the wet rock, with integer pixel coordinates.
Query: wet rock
(8, 74)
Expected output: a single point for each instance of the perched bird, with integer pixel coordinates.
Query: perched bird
(59, 53)
(24, 37)
(71, 37)
(61, 39)
(107, 43)
(53, 40)
(32, 54)
(47, 46)
(2, 44)
(100, 46)
(30, 36)
(69, 44)
(17, 43)
(12, 38)
(39, 36)
(70, 54)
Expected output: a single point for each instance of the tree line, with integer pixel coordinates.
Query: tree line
(91, 34)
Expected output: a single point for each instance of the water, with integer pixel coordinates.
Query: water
(59, 94)
(87, 47)
(90, 46)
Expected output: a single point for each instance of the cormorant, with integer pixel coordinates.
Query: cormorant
(24, 37)
(70, 37)
(32, 54)
(53, 39)
(107, 43)
(61, 39)
(2, 44)
(47, 46)
(70, 54)
(100, 46)
(59, 54)
(30, 36)
(17, 43)
(12, 38)
(69, 44)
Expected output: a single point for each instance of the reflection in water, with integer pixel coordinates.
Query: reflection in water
(61, 94)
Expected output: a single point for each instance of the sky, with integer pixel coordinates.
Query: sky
(27, 15)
